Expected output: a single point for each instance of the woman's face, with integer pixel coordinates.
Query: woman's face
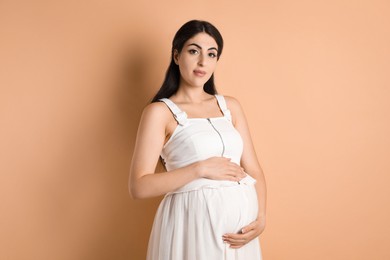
(197, 60)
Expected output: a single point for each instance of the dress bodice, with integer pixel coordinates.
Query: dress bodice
(196, 139)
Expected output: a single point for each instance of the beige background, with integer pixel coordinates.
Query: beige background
(313, 78)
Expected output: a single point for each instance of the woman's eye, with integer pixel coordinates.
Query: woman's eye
(212, 55)
(193, 51)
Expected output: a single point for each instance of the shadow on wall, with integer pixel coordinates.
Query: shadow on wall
(109, 224)
(138, 92)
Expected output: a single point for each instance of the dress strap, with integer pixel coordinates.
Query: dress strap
(223, 106)
(180, 116)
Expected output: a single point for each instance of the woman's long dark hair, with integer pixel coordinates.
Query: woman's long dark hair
(172, 76)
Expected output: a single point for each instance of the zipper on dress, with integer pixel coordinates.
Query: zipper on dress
(220, 136)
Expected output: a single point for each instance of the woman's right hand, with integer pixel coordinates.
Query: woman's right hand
(220, 168)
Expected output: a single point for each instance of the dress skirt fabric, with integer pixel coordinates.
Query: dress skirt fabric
(189, 225)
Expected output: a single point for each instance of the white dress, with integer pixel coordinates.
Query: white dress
(191, 220)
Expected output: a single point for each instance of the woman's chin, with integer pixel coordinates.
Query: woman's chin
(200, 82)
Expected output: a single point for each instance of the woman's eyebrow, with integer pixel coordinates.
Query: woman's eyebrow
(212, 48)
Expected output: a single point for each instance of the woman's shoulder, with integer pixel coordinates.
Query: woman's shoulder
(235, 108)
(232, 103)
(155, 107)
(156, 110)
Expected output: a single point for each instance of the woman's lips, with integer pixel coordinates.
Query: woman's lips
(199, 73)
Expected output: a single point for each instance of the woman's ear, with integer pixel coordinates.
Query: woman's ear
(176, 55)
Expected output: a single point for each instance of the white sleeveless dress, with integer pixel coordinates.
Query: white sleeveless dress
(191, 220)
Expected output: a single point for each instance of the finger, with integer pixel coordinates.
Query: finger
(232, 242)
(238, 169)
(230, 178)
(249, 235)
(241, 171)
(233, 235)
(233, 179)
(233, 176)
(236, 246)
(236, 237)
(233, 170)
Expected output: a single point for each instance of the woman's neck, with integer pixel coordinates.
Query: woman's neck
(190, 95)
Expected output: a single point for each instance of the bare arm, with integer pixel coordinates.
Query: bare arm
(144, 183)
(249, 159)
(251, 165)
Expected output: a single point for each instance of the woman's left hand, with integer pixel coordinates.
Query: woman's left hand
(247, 234)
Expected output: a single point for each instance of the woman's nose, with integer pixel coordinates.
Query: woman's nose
(201, 60)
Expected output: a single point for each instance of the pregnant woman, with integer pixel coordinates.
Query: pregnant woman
(215, 193)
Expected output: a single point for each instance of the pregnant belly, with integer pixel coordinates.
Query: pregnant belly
(231, 208)
(195, 221)
(213, 210)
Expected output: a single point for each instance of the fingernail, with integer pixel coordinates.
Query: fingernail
(242, 231)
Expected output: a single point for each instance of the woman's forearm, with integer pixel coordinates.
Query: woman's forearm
(156, 184)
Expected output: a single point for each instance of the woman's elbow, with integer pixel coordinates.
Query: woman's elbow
(134, 193)
(133, 188)
(139, 189)
(137, 193)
